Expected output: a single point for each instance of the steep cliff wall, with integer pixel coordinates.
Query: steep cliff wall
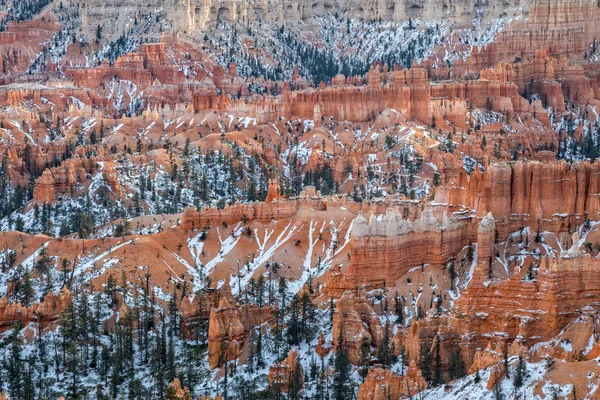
(387, 247)
(524, 193)
(196, 15)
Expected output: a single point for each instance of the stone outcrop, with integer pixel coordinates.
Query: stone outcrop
(353, 321)
(322, 348)
(65, 179)
(526, 193)
(177, 392)
(198, 15)
(45, 312)
(273, 193)
(408, 91)
(497, 373)
(262, 212)
(383, 384)
(229, 326)
(388, 246)
(486, 358)
(530, 311)
(281, 375)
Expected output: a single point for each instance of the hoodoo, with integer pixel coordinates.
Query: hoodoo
(385, 200)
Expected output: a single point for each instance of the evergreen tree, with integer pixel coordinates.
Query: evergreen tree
(342, 389)
(383, 352)
(457, 365)
(307, 317)
(399, 309)
(72, 368)
(505, 356)
(498, 395)
(364, 357)
(296, 382)
(438, 377)
(425, 363)
(15, 367)
(293, 326)
(519, 376)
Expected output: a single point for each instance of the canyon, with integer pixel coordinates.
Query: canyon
(336, 199)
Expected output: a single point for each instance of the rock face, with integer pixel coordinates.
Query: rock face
(274, 192)
(354, 320)
(177, 392)
(495, 316)
(527, 193)
(65, 179)
(514, 314)
(387, 246)
(282, 374)
(19, 40)
(197, 15)
(45, 312)
(228, 327)
(383, 384)
(408, 91)
(263, 212)
(486, 358)
(531, 311)
(322, 348)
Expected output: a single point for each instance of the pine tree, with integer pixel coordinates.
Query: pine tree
(331, 310)
(505, 355)
(364, 357)
(452, 272)
(341, 376)
(83, 311)
(308, 317)
(383, 352)
(72, 367)
(15, 368)
(436, 179)
(293, 325)
(438, 372)
(296, 382)
(457, 365)
(259, 359)
(98, 33)
(425, 363)
(252, 351)
(470, 252)
(399, 309)
(43, 262)
(260, 291)
(498, 395)
(25, 289)
(28, 384)
(519, 376)
(278, 333)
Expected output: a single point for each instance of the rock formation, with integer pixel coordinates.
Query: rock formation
(45, 312)
(177, 392)
(198, 15)
(229, 326)
(354, 320)
(554, 196)
(382, 384)
(282, 374)
(385, 248)
(448, 190)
